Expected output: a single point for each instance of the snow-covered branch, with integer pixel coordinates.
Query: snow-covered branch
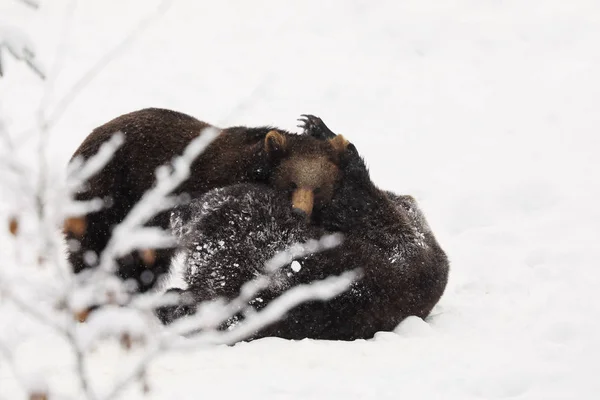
(80, 171)
(211, 315)
(320, 290)
(130, 234)
(201, 328)
(37, 284)
(18, 45)
(6, 355)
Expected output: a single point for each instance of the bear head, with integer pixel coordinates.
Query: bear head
(307, 168)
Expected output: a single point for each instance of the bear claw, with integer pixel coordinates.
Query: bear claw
(314, 126)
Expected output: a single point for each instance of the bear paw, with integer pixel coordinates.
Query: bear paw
(314, 126)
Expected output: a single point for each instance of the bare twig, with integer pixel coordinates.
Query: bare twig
(136, 371)
(14, 166)
(20, 47)
(7, 354)
(56, 67)
(31, 310)
(31, 3)
(63, 331)
(80, 366)
(34, 66)
(97, 68)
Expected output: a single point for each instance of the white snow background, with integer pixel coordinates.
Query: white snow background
(486, 111)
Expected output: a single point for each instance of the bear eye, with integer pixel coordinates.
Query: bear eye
(317, 190)
(293, 186)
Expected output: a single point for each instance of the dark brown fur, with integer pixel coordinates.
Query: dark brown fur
(152, 138)
(404, 271)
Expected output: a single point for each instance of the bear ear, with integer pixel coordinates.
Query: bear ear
(275, 143)
(339, 144)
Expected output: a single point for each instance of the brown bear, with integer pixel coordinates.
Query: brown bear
(303, 166)
(230, 233)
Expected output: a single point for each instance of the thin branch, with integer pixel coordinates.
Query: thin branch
(37, 315)
(80, 171)
(325, 289)
(58, 64)
(321, 290)
(89, 76)
(41, 193)
(8, 356)
(65, 333)
(21, 48)
(137, 370)
(80, 366)
(11, 164)
(208, 318)
(31, 3)
(130, 234)
(35, 67)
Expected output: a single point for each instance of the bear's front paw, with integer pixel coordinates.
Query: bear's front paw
(314, 126)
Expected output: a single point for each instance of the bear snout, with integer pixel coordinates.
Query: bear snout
(303, 200)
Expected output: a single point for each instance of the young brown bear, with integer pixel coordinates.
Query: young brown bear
(230, 233)
(305, 167)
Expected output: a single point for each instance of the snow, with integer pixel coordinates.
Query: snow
(296, 266)
(484, 111)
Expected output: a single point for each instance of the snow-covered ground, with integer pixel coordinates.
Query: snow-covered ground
(486, 111)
